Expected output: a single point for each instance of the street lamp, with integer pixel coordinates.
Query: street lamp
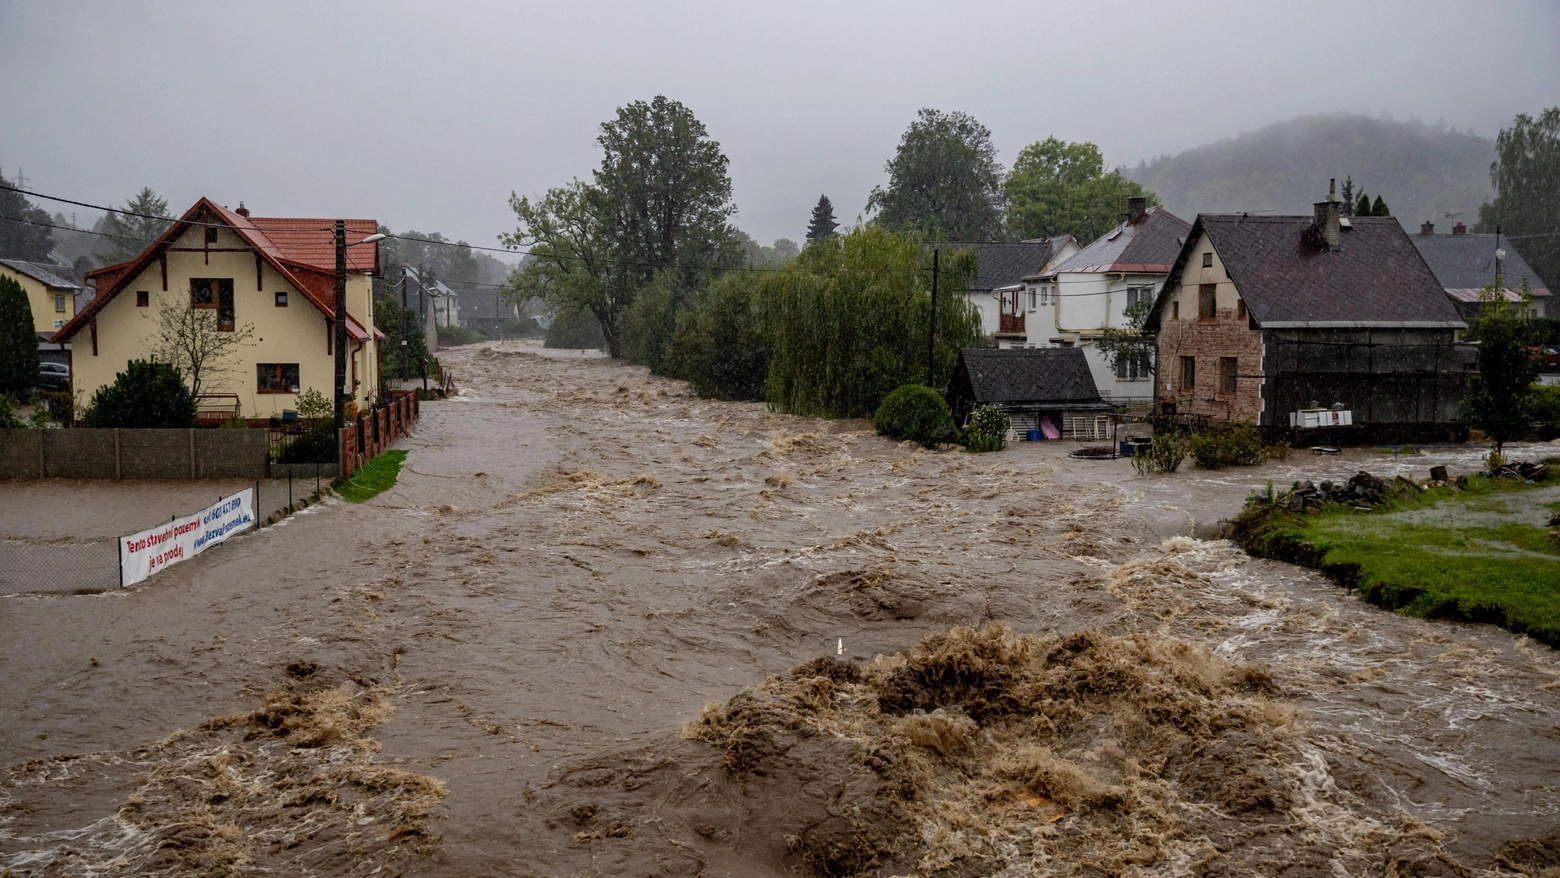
(341, 318)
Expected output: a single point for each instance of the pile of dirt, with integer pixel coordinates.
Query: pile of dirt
(288, 788)
(981, 751)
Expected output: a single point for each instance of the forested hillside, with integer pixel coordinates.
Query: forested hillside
(1423, 171)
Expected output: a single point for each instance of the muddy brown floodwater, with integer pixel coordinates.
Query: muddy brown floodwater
(603, 627)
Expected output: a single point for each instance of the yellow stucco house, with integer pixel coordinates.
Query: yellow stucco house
(51, 292)
(275, 274)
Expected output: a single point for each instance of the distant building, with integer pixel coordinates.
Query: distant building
(1263, 316)
(482, 307)
(998, 290)
(1093, 289)
(54, 292)
(1467, 263)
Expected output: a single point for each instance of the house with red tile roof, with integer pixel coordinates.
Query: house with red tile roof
(1264, 317)
(273, 276)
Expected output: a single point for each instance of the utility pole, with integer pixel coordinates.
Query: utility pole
(931, 333)
(405, 331)
(341, 325)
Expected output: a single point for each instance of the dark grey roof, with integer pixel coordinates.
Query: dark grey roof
(55, 276)
(1467, 262)
(1288, 277)
(1146, 245)
(1018, 376)
(481, 303)
(1002, 264)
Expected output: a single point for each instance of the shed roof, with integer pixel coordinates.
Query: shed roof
(1146, 245)
(1467, 262)
(1032, 376)
(56, 277)
(1289, 277)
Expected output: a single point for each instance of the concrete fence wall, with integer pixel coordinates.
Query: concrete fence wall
(93, 453)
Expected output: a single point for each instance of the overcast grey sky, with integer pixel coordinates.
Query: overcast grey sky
(427, 115)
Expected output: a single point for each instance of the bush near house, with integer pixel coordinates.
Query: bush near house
(1225, 444)
(146, 394)
(1163, 455)
(988, 429)
(18, 342)
(914, 412)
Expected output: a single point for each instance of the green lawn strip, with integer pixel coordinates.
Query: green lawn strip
(375, 476)
(1455, 560)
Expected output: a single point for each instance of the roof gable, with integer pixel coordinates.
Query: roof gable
(1147, 245)
(1029, 375)
(294, 262)
(1288, 277)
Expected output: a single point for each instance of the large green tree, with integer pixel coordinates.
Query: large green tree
(659, 203)
(18, 341)
(1061, 188)
(21, 234)
(463, 267)
(1526, 174)
(144, 219)
(943, 181)
(1497, 396)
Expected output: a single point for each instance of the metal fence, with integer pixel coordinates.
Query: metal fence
(51, 566)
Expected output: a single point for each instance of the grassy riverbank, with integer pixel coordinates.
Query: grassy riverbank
(1478, 553)
(374, 477)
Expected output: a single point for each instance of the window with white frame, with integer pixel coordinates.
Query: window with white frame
(1139, 295)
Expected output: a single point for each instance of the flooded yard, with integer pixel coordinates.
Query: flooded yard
(488, 670)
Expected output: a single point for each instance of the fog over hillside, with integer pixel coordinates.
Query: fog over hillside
(1423, 171)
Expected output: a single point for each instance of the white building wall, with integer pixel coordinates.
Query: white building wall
(1075, 307)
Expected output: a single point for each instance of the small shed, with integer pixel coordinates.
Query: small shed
(1036, 387)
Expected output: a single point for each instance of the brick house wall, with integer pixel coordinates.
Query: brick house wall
(1184, 333)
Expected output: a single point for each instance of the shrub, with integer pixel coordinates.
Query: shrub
(1163, 455)
(1277, 451)
(722, 343)
(915, 412)
(1224, 444)
(8, 416)
(449, 336)
(18, 341)
(988, 429)
(578, 330)
(313, 404)
(146, 394)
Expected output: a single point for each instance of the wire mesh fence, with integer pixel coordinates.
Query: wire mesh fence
(66, 567)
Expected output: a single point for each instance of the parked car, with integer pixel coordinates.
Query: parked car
(54, 376)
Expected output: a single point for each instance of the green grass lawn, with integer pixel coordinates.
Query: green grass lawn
(377, 475)
(1480, 554)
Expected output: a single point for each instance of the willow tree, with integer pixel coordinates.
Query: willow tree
(849, 322)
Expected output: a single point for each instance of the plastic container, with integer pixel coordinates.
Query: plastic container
(1032, 435)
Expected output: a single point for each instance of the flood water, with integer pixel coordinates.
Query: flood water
(579, 557)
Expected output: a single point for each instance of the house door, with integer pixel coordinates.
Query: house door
(1011, 318)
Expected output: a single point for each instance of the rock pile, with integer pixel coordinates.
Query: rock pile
(1362, 491)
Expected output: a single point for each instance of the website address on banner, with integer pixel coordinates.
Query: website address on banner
(217, 533)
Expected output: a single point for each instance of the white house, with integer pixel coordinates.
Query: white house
(998, 291)
(1082, 295)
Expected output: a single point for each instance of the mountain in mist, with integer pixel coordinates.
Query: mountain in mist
(1423, 171)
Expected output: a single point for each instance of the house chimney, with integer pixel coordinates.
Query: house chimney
(242, 210)
(1427, 228)
(1136, 206)
(1459, 229)
(1327, 216)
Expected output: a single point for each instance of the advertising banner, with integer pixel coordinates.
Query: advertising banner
(145, 553)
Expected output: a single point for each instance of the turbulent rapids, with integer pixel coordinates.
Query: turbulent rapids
(605, 627)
